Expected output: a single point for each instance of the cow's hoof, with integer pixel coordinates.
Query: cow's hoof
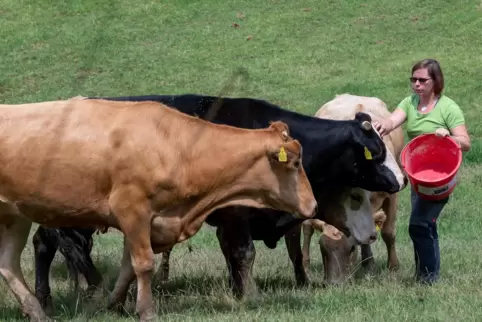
(31, 307)
(49, 310)
(116, 307)
(332, 284)
(393, 267)
(302, 280)
(368, 264)
(148, 316)
(38, 318)
(47, 305)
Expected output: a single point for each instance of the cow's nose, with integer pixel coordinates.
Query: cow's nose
(373, 237)
(315, 210)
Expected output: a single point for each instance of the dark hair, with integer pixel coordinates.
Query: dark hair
(434, 71)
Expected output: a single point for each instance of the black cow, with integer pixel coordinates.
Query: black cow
(334, 157)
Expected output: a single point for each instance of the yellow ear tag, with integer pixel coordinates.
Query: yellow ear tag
(368, 154)
(377, 227)
(282, 155)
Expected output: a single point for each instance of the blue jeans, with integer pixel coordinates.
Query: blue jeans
(423, 232)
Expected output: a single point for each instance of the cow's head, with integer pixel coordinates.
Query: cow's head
(282, 177)
(371, 165)
(339, 252)
(351, 212)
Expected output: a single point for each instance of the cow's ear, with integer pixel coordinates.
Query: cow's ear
(379, 218)
(326, 229)
(281, 128)
(281, 155)
(285, 156)
(365, 121)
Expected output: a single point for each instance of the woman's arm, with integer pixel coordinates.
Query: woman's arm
(459, 134)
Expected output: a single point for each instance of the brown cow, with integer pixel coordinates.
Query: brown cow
(140, 167)
(344, 107)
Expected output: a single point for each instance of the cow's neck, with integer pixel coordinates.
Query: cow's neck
(184, 220)
(322, 148)
(213, 155)
(321, 139)
(199, 194)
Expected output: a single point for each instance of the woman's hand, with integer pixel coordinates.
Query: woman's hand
(383, 127)
(442, 132)
(389, 124)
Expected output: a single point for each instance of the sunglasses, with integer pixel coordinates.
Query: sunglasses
(421, 80)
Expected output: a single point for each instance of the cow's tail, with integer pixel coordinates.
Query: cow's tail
(76, 245)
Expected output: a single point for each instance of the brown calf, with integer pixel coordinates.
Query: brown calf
(140, 167)
(338, 251)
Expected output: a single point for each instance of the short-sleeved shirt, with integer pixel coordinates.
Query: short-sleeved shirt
(446, 114)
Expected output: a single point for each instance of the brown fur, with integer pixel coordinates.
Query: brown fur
(148, 170)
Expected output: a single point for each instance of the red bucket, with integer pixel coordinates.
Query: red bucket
(431, 163)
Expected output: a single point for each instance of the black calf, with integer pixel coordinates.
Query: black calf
(75, 244)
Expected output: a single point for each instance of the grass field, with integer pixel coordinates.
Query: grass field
(299, 55)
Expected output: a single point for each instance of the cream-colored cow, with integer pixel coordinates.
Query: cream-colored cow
(345, 107)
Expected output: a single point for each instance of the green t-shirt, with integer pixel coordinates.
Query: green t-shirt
(446, 114)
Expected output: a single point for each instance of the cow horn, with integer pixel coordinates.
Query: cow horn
(366, 125)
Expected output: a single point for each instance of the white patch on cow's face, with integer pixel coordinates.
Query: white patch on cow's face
(392, 165)
(359, 218)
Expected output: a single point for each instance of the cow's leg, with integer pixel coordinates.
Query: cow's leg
(238, 250)
(367, 257)
(13, 238)
(142, 262)
(134, 217)
(45, 246)
(292, 239)
(308, 231)
(389, 230)
(126, 277)
(162, 273)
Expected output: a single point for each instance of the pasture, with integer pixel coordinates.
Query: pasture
(298, 55)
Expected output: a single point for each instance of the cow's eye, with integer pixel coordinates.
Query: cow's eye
(356, 197)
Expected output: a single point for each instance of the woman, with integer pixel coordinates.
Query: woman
(427, 111)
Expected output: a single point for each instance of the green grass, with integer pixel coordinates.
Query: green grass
(300, 55)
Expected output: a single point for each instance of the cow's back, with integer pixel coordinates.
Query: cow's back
(67, 151)
(345, 107)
